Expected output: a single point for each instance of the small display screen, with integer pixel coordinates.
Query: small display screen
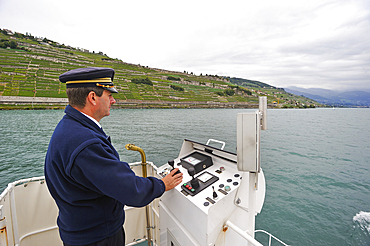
(192, 160)
(205, 177)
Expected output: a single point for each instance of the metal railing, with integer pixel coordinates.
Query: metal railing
(271, 236)
(249, 238)
(242, 233)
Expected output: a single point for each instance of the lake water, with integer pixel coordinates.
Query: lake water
(316, 162)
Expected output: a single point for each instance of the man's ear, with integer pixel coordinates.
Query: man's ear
(91, 98)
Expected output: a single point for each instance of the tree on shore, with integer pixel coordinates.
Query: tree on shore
(229, 92)
(4, 43)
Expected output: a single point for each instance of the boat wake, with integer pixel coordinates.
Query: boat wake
(362, 219)
(361, 233)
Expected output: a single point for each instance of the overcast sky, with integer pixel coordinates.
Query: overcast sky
(311, 44)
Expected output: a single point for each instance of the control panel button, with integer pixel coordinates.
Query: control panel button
(227, 188)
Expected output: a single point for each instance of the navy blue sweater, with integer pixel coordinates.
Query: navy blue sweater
(89, 183)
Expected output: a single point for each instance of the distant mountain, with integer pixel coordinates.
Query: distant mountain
(335, 98)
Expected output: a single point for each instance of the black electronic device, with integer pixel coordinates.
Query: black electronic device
(196, 160)
(199, 183)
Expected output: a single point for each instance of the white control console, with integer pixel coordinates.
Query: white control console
(216, 181)
(219, 188)
(195, 215)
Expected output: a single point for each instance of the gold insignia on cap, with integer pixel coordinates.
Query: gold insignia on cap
(106, 86)
(101, 80)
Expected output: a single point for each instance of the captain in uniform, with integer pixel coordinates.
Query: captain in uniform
(83, 171)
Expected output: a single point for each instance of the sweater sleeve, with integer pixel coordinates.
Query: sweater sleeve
(96, 168)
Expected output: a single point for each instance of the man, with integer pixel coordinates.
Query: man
(83, 171)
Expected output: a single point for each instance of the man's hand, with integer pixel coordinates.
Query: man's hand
(172, 179)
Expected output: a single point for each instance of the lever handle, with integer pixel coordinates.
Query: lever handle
(171, 163)
(215, 196)
(191, 172)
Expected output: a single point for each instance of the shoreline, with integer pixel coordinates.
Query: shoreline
(49, 103)
(130, 106)
(36, 103)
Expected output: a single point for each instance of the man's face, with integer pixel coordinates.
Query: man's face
(104, 102)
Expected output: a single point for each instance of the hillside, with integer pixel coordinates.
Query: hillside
(250, 83)
(30, 67)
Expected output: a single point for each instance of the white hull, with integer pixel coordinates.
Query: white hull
(29, 214)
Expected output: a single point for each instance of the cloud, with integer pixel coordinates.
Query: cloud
(318, 43)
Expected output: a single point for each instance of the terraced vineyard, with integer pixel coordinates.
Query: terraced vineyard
(33, 68)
